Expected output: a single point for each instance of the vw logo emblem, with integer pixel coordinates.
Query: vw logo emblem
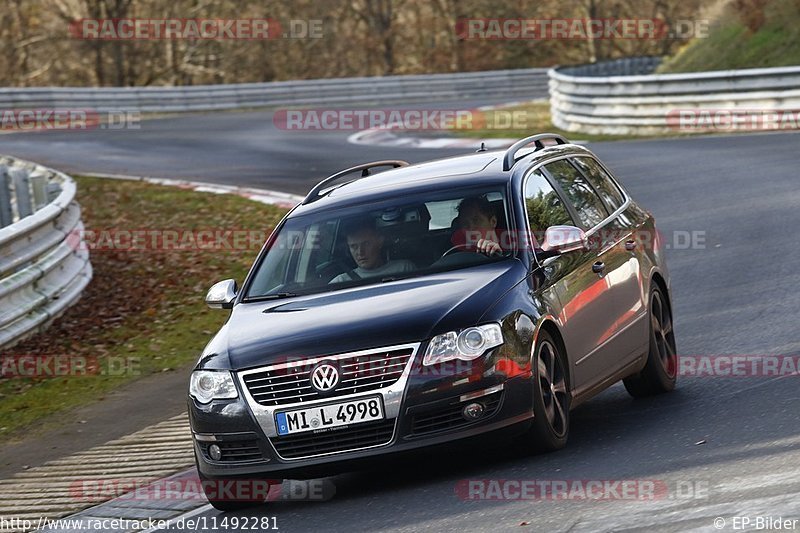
(324, 377)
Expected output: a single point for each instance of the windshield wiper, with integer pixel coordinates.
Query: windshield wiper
(273, 296)
(397, 278)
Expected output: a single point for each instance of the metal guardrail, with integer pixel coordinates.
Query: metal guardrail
(623, 98)
(626, 66)
(522, 83)
(43, 266)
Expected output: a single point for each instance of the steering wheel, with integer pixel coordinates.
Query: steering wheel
(453, 249)
(466, 246)
(330, 269)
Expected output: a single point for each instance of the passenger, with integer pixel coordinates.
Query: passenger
(366, 246)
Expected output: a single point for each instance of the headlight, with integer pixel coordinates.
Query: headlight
(207, 385)
(467, 345)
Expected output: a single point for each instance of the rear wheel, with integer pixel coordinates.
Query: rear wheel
(551, 397)
(660, 372)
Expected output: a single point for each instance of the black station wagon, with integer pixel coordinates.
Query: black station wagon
(425, 303)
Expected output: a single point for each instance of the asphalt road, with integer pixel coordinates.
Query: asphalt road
(723, 447)
(244, 148)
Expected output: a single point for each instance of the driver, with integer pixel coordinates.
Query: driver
(477, 223)
(365, 243)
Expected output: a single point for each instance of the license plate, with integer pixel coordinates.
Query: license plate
(329, 416)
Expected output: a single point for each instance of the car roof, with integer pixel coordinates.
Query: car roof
(469, 170)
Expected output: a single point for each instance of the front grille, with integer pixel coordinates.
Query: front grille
(359, 373)
(450, 417)
(333, 441)
(234, 451)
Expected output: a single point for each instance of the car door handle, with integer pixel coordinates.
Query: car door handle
(630, 245)
(598, 267)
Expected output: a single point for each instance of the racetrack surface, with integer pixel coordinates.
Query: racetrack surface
(242, 148)
(735, 441)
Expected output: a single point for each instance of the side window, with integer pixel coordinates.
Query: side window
(544, 207)
(588, 205)
(601, 181)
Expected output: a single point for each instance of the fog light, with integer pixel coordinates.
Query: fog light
(472, 411)
(215, 452)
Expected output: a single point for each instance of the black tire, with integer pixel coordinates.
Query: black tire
(211, 487)
(551, 397)
(660, 372)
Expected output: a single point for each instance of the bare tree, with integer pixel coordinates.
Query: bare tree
(360, 37)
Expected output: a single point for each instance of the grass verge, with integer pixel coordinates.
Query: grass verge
(746, 34)
(143, 312)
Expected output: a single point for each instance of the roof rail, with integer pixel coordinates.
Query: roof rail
(508, 158)
(314, 194)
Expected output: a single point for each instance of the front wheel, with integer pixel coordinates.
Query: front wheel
(660, 372)
(551, 397)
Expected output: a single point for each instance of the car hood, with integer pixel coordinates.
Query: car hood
(358, 318)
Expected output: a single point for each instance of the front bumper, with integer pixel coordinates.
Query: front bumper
(422, 409)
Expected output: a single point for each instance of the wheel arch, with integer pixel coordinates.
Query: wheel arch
(549, 325)
(657, 279)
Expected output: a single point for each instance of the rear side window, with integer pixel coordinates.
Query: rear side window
(587, 204)
(601, 181)
(544, 207)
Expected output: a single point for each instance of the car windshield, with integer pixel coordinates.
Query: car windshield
(399, 238)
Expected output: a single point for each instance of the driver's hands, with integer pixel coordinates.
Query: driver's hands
(488, 247)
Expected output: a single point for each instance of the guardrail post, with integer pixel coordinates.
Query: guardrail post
(6, 214)
(39, 187)
(53, 190)
(23, 191)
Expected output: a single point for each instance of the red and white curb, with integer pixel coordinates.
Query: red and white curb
(264, 196)
(53, 490)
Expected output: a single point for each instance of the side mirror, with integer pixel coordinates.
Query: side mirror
(221, 295)
(562, 239)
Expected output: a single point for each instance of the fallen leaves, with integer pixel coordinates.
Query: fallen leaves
(141, 304)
